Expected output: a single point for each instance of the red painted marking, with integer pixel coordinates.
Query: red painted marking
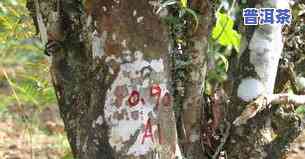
(148, 132)
(166, 100)
(155, 90)
(134, 98)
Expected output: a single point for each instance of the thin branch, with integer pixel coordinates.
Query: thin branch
(232, 7)
(263, 101)
(13, 89)
(292, 78)
(41, 25)
(287, 98)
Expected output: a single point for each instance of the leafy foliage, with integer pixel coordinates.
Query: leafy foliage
(22, 60)
(224, 33)
(300, 110)
(183, 10)
(183, 3)
(25, 87)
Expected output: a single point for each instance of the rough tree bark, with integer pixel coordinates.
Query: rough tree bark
(192, 113)
(112, 72)
(113, 69)
(266, 134)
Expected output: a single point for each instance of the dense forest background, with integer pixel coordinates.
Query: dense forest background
(30, 125)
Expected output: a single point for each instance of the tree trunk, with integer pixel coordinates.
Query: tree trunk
(112, 72)
(265, 135)
(192, 113)
(122, 96)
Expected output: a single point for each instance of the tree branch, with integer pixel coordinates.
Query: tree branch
(263, 101)
(287, 98)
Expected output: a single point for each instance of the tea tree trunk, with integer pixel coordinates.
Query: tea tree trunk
(112, 72)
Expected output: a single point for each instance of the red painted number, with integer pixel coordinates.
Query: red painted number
(156, 91)
(148, 132)
(134, 98)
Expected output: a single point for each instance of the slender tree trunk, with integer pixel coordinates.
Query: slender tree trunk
(112, 72)
(192, 100)
(265, 135)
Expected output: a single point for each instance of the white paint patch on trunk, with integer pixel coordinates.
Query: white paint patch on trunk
(129, 104)
(266, 47)
(282, 4)
(157, 65)
(138, 148)
(249, 89)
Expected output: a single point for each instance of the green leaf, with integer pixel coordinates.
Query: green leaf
(3, 9)
(13, 2)
(224, 60)
(300, 110)
(224, 33)
(183, 3)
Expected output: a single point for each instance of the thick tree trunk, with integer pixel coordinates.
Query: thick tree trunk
(112, 73)
(115, 76)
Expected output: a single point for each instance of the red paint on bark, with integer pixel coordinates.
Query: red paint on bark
(148, 132)
(134, 98)
(155, 90)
